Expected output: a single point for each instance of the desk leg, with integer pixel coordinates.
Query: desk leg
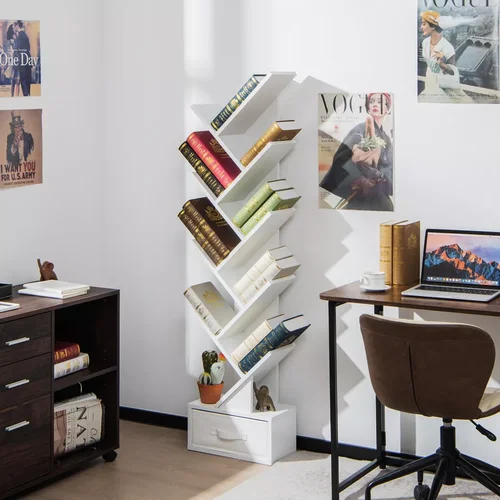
(380, 415)
(332, 335)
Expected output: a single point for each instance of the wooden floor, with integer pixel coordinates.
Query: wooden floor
(153, 463)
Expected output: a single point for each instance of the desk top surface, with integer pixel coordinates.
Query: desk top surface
(353, 293)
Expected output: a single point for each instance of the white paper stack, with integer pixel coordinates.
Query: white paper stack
(54, 289)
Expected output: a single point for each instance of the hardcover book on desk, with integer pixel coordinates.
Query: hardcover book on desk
(54, 289)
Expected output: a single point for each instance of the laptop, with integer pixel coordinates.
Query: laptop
(459, 265)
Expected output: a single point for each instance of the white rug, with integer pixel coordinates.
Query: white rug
(304, 475)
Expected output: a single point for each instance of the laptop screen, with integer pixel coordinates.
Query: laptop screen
(461, 258)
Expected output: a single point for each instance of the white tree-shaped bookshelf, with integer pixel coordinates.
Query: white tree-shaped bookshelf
(232, 427)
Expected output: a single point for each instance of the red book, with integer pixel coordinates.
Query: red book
(65, 350)
(206, 146)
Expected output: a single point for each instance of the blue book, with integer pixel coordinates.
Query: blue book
(284, 334)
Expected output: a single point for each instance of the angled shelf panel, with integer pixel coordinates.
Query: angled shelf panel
(256, 171)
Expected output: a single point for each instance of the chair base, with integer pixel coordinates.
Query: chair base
(447, 459)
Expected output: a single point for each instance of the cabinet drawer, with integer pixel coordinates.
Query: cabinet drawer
(24, 338)
(24, 443)
(25, 380)
(232, 436)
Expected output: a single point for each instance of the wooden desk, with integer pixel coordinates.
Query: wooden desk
(352, 293)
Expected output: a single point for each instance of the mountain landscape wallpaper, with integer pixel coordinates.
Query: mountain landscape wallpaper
(465, 257)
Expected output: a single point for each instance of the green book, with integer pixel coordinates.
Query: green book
(279, 200)
(257, 200)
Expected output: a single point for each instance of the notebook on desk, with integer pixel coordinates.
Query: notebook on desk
(459, 265)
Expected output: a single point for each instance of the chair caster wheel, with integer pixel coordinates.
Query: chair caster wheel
(110, 457)
(421, 492)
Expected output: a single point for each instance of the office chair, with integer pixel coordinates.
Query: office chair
(436, 370)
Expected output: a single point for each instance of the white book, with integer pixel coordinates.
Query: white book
(49, 294)
(260, 266)
(71, 365)
(8, 306)
(56, 286)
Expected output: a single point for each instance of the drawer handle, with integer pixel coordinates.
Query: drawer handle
(227, 436)
(10, 343)
(17, 426)
(17, 384)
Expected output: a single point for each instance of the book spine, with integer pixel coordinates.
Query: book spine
(386, 252)
(209, 160)
(203, 226)
(269, 135)
(267, 207)
(252, 205)
(201, 169)
(202, 240)
(202, 311)
(406, 251)
(70, 366)
(69, 352)
(234, 103)
(253, 273)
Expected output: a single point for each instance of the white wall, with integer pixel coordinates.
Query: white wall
(61, 219)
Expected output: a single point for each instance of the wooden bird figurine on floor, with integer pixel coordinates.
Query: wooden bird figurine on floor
(264, 401)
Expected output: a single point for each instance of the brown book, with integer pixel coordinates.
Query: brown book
(406, 253)
(280, 130)
(192, 227)
(65, 350)
(212, 224)
(385, 258)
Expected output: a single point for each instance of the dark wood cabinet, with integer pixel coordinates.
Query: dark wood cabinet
(28, 390)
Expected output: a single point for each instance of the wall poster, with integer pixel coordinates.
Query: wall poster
(356, 151)
(20, 60)
(458, 52)
(20, 147)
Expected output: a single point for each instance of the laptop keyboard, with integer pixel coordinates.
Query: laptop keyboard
(453, 289)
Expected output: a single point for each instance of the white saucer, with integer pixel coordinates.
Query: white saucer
(364, 287)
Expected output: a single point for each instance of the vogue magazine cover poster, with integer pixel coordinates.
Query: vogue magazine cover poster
(356, 151)
(458, 53)
(21, 152)
(20, 61)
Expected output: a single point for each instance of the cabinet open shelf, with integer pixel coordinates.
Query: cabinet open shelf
(82, 376)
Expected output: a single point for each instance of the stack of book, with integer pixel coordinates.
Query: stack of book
(78, 422)
(68, 358)
(210, 306)
(208, 158)
(276, 263)
(55, 289)
(400, 251)
(272, 334)
(273, 195)
(209, 228)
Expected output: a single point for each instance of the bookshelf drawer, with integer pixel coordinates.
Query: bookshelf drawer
(25, 338)
(25, 380)
(24, 443)
(232, 436)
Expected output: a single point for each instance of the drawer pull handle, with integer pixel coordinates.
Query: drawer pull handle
(17, 426)
(227, 436)
(10, 343)
(17, 384)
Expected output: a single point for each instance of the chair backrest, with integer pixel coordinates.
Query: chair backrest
(428, 368)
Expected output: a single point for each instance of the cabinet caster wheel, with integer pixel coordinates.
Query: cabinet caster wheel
(421, 492)
(110, 457)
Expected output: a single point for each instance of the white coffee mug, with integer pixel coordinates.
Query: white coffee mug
(374, 280)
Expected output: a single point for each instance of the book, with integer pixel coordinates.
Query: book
(200, 237)
(280, 200)
(71, 365)
(201, 169)
(258, 199)
(238, 98)
(65, 350)
(57, 286)
(256, 336)
(210, 306)
(260, 266)
(284, 334)
(385, 256)
(212, 224)
(280, 130)
(78, 422)
(278, 269)
(49, 294)
(406, 253)
(206, 146)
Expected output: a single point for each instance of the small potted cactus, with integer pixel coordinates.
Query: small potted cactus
(210, 382)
